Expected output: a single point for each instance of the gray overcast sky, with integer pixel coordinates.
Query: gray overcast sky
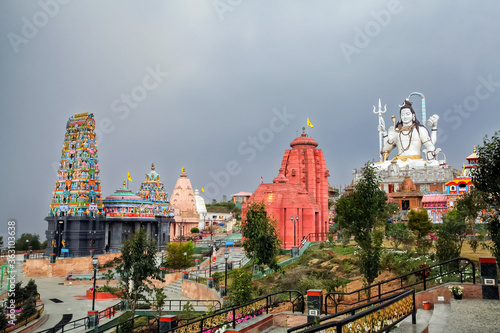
(232, 67)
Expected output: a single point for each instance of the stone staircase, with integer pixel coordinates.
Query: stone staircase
(173, 291)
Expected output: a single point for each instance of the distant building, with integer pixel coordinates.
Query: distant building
(407, 196)
(436, 206)
(201, 208)
(298, 196)
(241, 198)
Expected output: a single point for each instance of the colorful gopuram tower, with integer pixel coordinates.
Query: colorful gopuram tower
(76, 210)
(153, 192)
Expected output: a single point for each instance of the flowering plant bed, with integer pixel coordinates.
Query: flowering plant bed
(103, 294)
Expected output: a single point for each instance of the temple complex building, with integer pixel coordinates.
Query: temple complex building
(298, 197)
(80, 221)
(127, 212)
(184, 203)
(438, 204)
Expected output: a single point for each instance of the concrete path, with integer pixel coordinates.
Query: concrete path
(473, 315)
(466, 315)
(73, 302)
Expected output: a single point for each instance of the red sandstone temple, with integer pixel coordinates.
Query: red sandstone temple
(298, 196)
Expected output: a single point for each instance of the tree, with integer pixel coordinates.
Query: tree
(358, 214)
(260, 237)
(240, 291)
(195, 230)
(159, 301)
(137, 268)
(450, 236)
(175, 254)
(31, 288)
(485, 176)
(398, 233)
(3, 319)
(108, 276)
(187, 311)
(486, 179)
(216, 278)
(26, 240)
(419, 223)
(469, 205)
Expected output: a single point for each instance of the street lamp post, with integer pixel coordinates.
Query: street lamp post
(162, 252)
(210, 262)
(95, 262)
(185, 259)
(294, 221)
(226, 256)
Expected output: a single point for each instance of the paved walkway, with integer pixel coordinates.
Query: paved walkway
(466, 315)
(73, 301)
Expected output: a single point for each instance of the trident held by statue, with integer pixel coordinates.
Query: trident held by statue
(381, 125)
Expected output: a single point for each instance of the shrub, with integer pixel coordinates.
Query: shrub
(474, 244)
(241, 287)
(217, 276)
(336, 284)
(29, 309)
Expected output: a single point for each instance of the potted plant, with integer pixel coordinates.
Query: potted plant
(456, 291)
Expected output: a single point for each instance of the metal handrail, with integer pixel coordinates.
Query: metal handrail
(82, 322)
(312, 235)
(340, 295)
(351, 311)
(230, 313)
(214, 302)
(346, 321)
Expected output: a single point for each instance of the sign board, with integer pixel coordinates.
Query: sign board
(489, 282)
(229, 242)
(214, 260)
(313, 313)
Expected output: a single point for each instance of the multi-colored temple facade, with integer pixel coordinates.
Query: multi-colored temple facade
(79, 220)
(126, 212)
(438, 204)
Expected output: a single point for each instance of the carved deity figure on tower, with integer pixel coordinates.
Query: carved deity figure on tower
(408, 135)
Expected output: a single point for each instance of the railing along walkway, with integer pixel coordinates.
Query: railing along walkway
(377, 290)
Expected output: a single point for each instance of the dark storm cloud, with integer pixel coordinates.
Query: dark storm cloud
(194, 84)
